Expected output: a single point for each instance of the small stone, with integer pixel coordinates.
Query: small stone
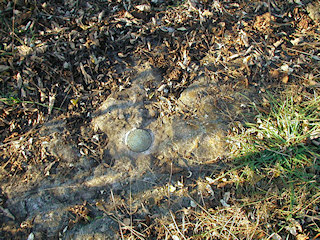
(139, 140)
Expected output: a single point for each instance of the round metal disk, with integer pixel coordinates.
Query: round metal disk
(139, 140)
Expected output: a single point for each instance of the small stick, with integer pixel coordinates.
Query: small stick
(115, 208)
(175, 224)
(169, 184)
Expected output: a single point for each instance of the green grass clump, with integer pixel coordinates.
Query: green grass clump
(282, 138)
(276, 159)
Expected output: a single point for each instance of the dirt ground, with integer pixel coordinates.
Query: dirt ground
(77, 76)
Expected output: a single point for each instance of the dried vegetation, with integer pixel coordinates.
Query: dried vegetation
(61, 59)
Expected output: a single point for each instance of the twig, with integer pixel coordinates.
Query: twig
(175, 224)
(123, 225)
(13, 22)
(169, 184)
(130, 200)
(167, 230)
(115, 208)
(305, 53)
(210, 215)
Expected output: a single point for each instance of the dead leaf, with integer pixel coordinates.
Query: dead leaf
(302, 237)
(23, 93)
(144, 8)
(101, 15)
(24, 50)
(263, 22)
(207, 13)
(19, 80)
(274, 73)
(244, 38)
(122, 55)
(311, 82)
(52, 99)
(296, 41)
(87, 77)
(285, 68)
(285, 79)
(128, 15)
(181, 29)
(278, 43)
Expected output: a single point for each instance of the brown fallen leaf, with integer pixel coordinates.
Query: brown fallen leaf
(87, 77)
(274, 73)
(52, 98)
(285, 79)
(263, 22)
(302, 237)
(144, 8)
(24, 50)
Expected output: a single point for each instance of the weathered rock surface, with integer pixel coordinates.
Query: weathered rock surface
(104, 229)
(201, 134)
